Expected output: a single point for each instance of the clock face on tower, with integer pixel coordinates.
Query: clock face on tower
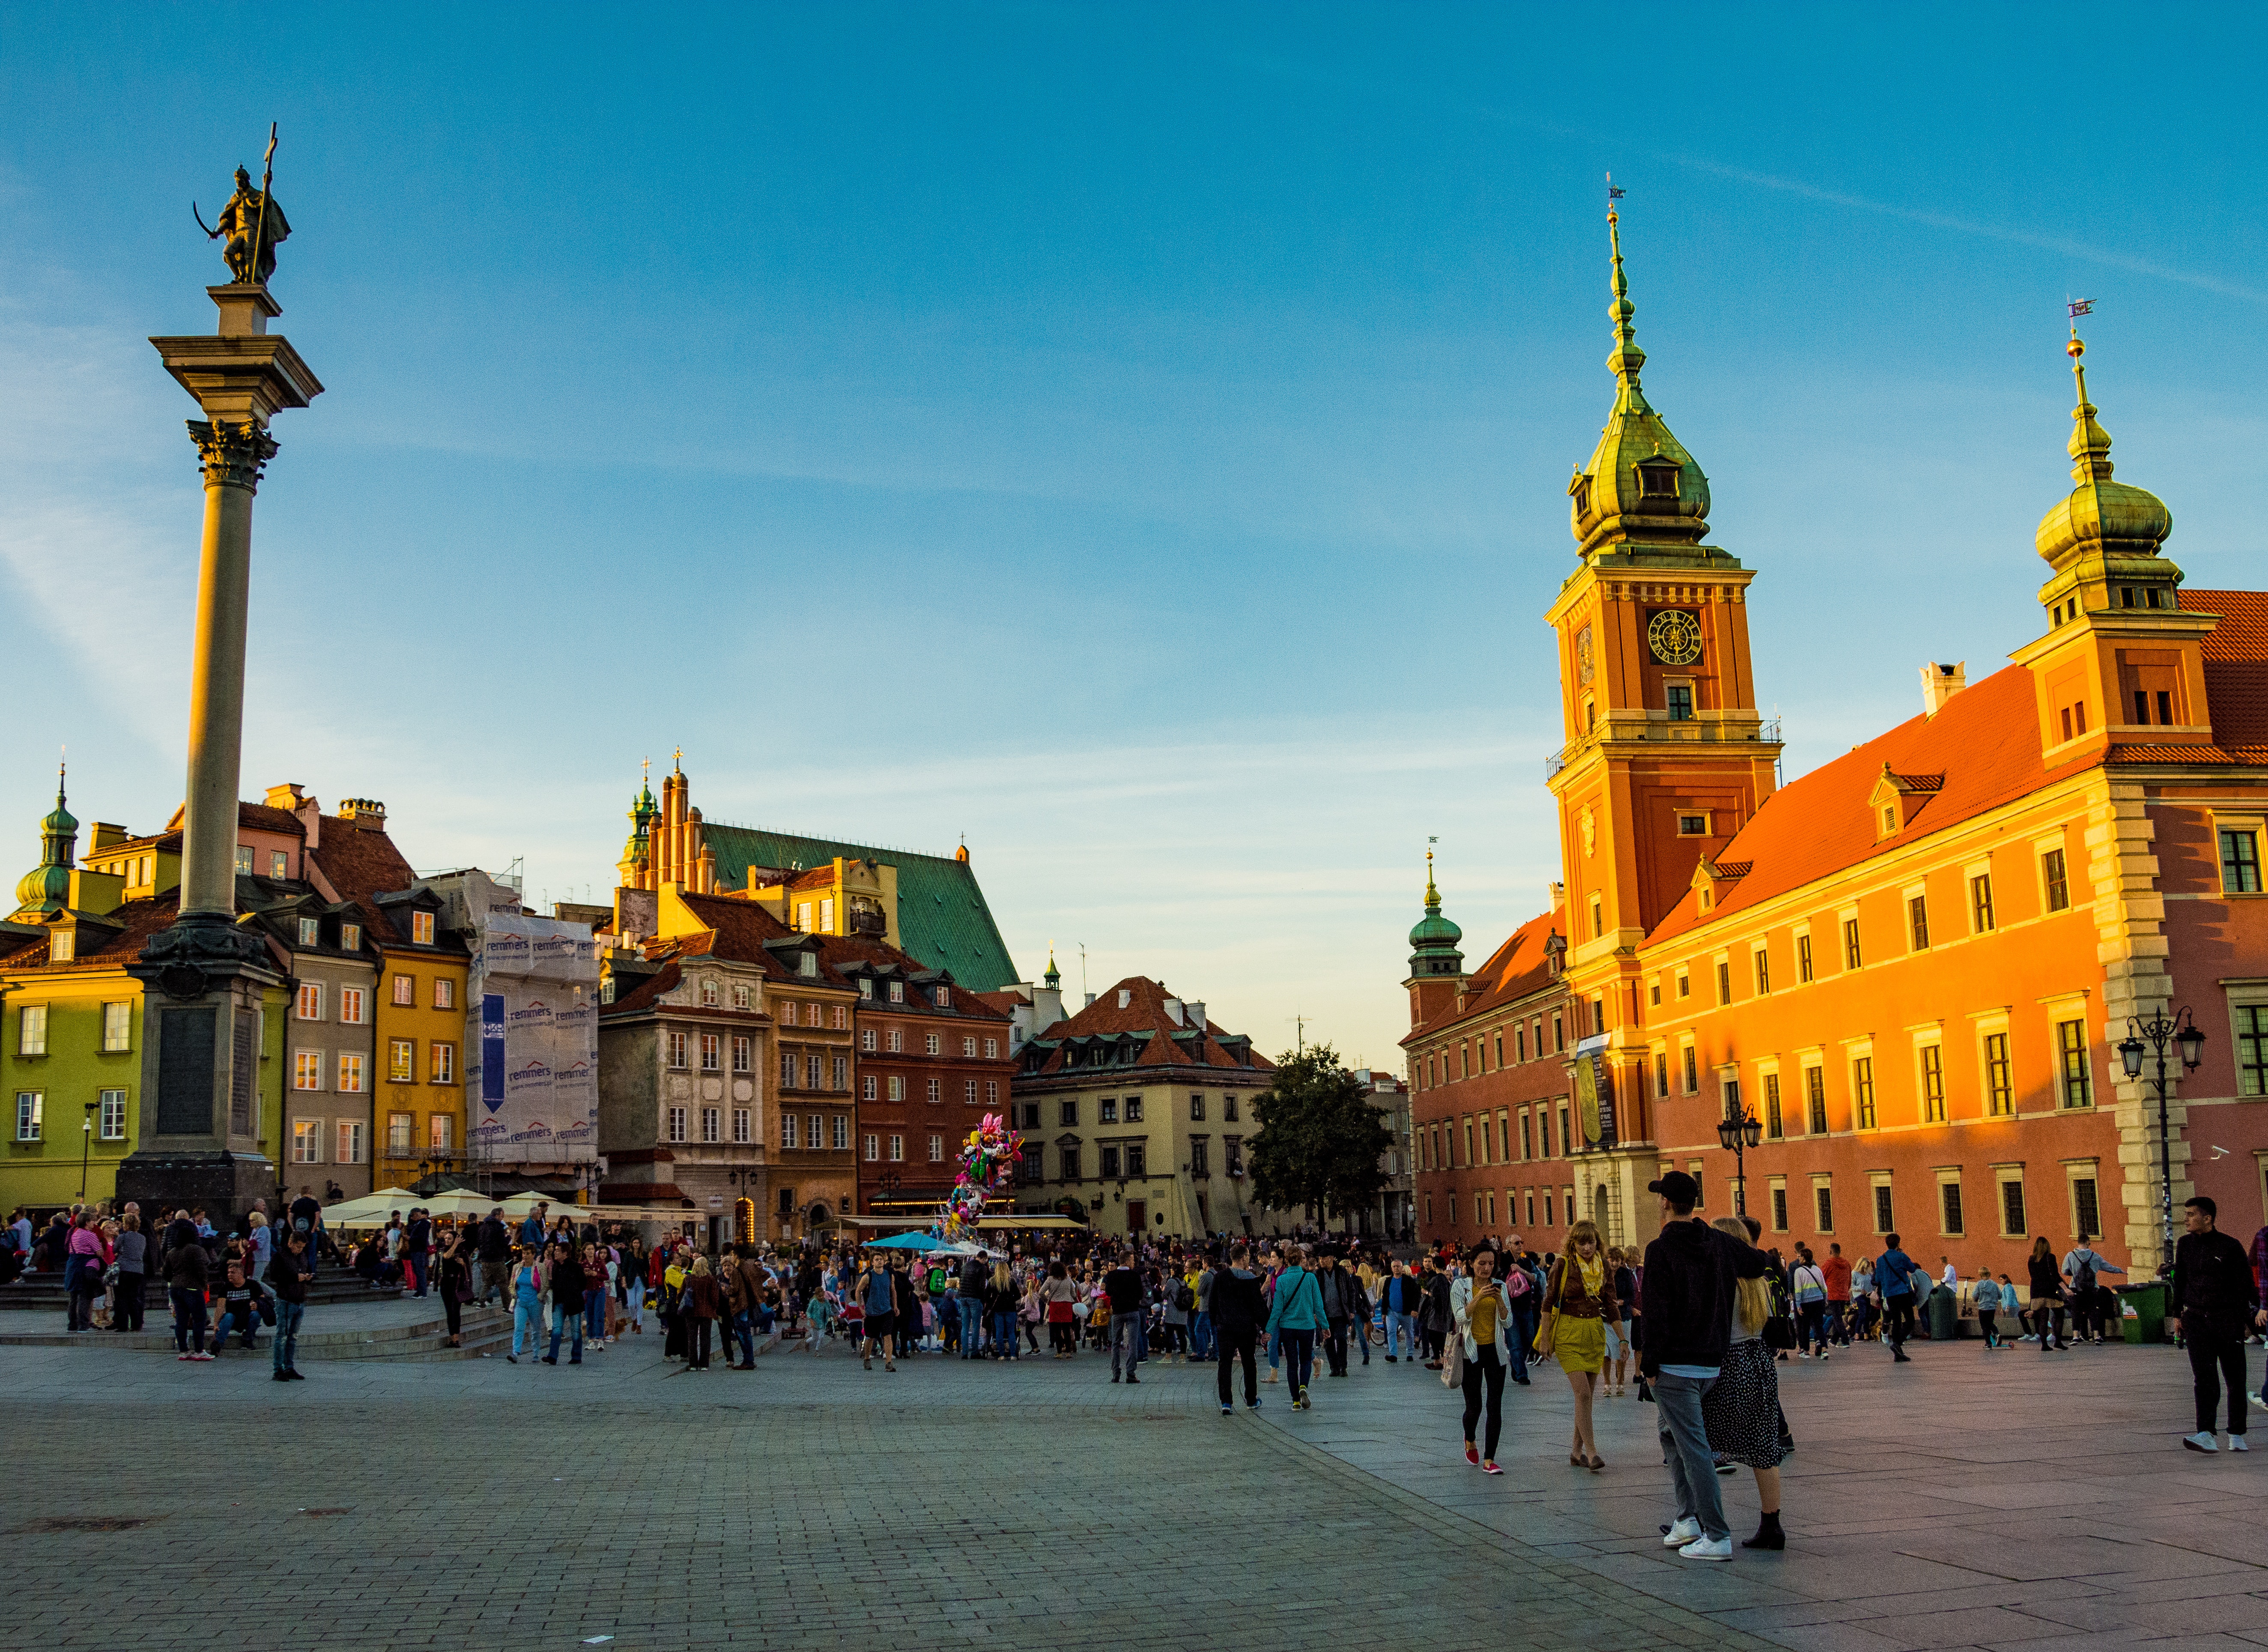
(1674, 636)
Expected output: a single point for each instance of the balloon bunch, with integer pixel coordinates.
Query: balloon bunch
(988, 1168)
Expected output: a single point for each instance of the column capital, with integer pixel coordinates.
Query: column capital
(233, 452)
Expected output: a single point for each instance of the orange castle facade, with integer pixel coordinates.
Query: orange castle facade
(1913, 966)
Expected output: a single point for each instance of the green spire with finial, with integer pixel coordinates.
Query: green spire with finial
(1642, 494)
(1433, 943)
(1053, 978)
(48, 888)
(2104, 533)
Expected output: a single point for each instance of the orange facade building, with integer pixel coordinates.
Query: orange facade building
(1913, 966)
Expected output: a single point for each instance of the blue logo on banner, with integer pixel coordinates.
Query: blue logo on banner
(492, 1051)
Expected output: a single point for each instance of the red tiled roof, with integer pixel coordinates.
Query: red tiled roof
(1983, 742)
(99, 947)
(361, 864)
(647, 990)
(1982, 751)
(2236, 671)
(1006, 1003)
(259, 816)
(1145, 1011)
(1513, 971)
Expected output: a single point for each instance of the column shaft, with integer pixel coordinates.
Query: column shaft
(217, 703)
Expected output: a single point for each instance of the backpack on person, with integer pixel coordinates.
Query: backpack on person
(1185, 1299)
(2083, 1280)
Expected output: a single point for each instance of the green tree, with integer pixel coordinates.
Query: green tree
(1320, 1139)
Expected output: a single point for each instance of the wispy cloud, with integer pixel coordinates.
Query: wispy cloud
(2007, 232)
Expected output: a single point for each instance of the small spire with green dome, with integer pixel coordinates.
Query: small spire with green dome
(47, 890)
(1433, 943)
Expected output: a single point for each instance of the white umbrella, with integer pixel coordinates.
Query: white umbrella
(459, 1203)
(372, 1210)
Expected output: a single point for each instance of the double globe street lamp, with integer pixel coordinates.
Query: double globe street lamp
(1739, 1131)
(2159, 1032)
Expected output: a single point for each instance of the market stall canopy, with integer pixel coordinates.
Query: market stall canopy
(1061, 1224)
(372, 1210)
(907, 1242)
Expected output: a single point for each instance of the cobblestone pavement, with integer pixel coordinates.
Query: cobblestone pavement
(1965, 1499)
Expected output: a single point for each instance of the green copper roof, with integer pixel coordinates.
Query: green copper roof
(46, 888)
(942, 917)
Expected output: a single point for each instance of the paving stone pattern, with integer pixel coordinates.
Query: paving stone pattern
(1965, 1500)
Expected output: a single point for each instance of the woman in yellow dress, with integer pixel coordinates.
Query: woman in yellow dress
(1577, 1303)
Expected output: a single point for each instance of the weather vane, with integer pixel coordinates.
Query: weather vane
(1613, 193)
(2079, 307)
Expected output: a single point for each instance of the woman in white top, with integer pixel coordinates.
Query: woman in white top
(1482, 1314)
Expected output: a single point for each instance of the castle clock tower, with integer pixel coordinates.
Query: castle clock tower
(1666, 757)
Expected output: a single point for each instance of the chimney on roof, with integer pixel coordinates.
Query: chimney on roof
(287, 796)
(1090, 1000)
(364, 814)
(1940, 684)
(1193, 1008)
(1173, 1012)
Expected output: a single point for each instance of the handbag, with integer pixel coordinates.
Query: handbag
(1453, 1363)
(1542, 1346)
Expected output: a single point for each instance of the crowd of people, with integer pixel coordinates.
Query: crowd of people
(1700, 1317)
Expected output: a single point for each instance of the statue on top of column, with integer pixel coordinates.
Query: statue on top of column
(252, 224)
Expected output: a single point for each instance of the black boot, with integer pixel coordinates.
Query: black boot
(1769, 1535)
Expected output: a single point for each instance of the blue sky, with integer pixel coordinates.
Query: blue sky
(1135, 438)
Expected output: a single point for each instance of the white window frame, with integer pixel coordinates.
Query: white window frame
(30, 1115)
(307, 1073)
(349, 1141)
(421, 929)
(307, 1142)
(308, 1005)
(110, 1115)
(352, 1073)
(441, 1062)
(349, 1007)
(118, 1037)
(31, 1030)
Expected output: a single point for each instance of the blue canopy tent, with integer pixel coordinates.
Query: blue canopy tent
(908, 1242)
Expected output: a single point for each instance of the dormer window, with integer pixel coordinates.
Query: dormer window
(311, 932)
(421, 928)
(1889, 819)
(945, 997)
(1657, 478)
(866, 986)
(350, 937)
(806, 964)
(897, 992)
(1580, 491)
(63, 946)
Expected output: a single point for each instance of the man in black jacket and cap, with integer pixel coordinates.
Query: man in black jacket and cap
(1691, 1282)
(1238, 1312)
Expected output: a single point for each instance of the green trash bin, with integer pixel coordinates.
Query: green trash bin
(1944, 1310)
(2142, 1312)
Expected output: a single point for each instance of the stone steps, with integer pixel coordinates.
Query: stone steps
(46, 1291)
(485, 1330)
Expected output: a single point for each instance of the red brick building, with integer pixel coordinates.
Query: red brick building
(1490, 1098)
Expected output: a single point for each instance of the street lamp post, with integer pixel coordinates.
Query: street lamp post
(86, 1148)
(2159, 1032)
(1739, 1131)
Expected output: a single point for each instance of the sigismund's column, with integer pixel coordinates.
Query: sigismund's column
(203, 978)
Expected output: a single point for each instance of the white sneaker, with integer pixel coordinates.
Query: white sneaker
(1681, 1534)
(2199, 1441)
(1704, 1549)
(2236, 1443)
